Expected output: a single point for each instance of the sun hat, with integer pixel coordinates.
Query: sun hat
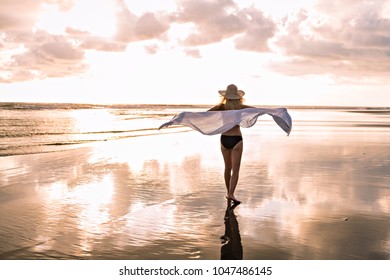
(232, 92)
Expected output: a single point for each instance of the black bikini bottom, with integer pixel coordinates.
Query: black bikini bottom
(229, 142)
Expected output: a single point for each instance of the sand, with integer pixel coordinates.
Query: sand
(321, 193)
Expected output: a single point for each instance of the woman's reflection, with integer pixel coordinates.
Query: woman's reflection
(232, 247)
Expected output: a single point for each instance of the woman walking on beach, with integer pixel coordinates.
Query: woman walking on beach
(231, 140)
(226, 119)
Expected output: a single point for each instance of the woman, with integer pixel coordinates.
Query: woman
(231, 140)
(227, 122)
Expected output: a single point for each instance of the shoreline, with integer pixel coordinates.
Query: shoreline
(5, 105)
(321, 193)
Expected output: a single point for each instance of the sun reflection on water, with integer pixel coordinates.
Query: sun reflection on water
(93, 120)
(163, 197)
(86, 206)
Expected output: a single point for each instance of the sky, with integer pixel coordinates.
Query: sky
(280, 52)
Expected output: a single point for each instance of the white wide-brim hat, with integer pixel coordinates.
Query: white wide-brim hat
(232, 92)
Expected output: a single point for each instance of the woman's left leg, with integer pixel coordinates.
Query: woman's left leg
(236, 154)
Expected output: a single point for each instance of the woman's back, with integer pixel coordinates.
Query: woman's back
(231, 104)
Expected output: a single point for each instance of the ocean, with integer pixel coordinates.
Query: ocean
(81, 181)
(40, 128)
(27, 128)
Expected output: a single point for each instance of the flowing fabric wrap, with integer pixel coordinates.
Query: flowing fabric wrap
(216, 122)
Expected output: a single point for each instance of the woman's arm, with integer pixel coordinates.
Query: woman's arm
(246, 106)
(216, 108)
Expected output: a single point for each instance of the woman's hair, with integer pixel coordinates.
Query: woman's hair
(232, 104)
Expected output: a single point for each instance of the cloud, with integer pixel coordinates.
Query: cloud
(131, 28)
(341, 37)
(11, 11)
(23, 14)
(28, 53)
(192, 52)
(215, 21)
(151, 49)
(212, 20)
(44, 55)
(258, 31)
(92, 42)
(125, 22)
(352, 42)
(63, 5)
(148, 26)
(102, 44)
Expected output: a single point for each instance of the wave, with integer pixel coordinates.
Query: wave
(75, 106)
(45, 146)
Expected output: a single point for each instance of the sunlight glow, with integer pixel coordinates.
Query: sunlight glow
(52, 20)
(167, 68)
(90, 207)
(95, 17)
(386, 10)
(140, 7)
(99, 120)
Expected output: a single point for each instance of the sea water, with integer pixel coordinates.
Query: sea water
(101, 182)
(35, 128)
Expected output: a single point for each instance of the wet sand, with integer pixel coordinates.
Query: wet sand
(321, 193)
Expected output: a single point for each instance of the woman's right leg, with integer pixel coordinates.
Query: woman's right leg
(232, 159)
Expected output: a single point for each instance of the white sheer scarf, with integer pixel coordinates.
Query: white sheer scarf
(216, 122)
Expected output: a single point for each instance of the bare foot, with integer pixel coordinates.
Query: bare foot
(235, 200)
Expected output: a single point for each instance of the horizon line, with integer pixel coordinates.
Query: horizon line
(113, 105)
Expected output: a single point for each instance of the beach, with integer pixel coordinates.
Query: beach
(321, 193)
